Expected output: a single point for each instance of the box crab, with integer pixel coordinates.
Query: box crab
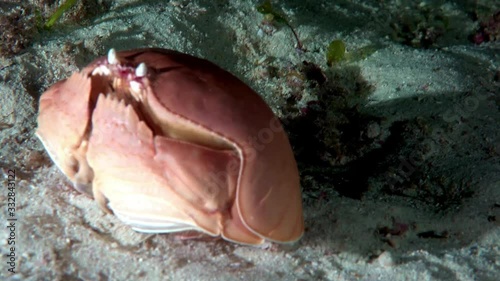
(169, 142)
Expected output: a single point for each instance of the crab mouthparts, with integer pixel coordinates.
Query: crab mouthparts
(130, 84)
(125, 81)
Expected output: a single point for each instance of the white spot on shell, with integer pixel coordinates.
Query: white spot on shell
(112, 59)
(141, 70)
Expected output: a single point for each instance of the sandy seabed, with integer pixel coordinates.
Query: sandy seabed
(432, 219)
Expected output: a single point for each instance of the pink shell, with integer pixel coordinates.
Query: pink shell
(193, 149)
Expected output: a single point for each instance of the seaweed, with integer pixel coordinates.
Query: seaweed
(59, 12)
(266, 8)
(335, 52)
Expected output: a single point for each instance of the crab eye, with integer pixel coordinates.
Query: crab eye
(141, 70)
(112, 58)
